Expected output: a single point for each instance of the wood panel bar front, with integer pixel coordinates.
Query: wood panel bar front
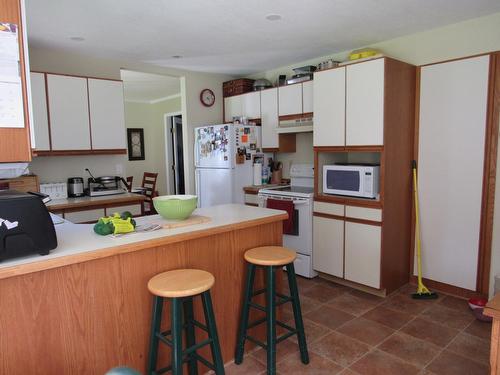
(88, 317)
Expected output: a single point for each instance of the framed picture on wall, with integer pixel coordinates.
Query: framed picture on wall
(135, 140)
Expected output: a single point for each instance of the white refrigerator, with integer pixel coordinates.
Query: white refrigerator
(224, 157)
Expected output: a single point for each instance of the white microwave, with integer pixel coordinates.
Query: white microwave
(353, 180)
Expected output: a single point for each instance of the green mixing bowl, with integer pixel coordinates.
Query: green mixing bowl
(175, 207)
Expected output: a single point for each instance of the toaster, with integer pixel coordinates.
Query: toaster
(25, 225)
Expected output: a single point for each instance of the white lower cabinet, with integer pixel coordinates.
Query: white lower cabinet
(363, 253)
(328, 246)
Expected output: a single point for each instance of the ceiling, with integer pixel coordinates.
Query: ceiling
(234, 36)
(146, 88)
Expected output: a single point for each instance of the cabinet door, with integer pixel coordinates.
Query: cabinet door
(269, 118)
(290, 99)
(107, 118)
(69, 112)
(329, 108)
(307, 97)
(232, 107)
(365, 103)
(452, 128)
(362, 253)
(39, 105)
(250, 104)
(328, 246)
(87, 216)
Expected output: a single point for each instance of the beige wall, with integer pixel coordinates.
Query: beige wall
(150, 117)
(194, 113)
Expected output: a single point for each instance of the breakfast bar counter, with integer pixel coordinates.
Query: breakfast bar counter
(88, 300)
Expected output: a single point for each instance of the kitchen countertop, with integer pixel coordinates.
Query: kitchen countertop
(78, 242)
(86, 201)
(254, 189)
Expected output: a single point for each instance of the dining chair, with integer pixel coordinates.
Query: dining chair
(149, 184)
(129, 180)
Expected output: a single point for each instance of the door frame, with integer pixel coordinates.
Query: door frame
(167, 123)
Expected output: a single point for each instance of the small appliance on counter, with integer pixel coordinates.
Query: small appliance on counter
(75, 187)
(105, 185)
(25, 225)
(55, 190)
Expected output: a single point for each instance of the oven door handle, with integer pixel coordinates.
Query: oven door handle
(296, 201)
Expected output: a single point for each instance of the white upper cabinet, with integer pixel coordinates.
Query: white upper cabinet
(363, 253)
(328, 246)
(250, 105)
(329, 108)
(39, 104)
(307, 97)
(107, 116)
(290, 99)
(269, 118)
(69, 112)
(232, 107)
(365, 103)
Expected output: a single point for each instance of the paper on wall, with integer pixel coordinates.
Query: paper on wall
(11, 94)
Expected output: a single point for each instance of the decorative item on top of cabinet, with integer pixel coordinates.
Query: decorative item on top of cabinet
(77, 115)
(237, 87)
(15, 143)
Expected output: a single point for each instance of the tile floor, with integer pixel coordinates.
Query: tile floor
(353, 333)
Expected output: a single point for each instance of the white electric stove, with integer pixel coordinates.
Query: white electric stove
(301, 192)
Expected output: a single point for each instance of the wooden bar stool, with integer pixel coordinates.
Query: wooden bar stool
(271, 258)
(181, 286)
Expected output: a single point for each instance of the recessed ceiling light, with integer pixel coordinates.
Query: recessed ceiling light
(177, 57)
(77, 38)
(273, 17)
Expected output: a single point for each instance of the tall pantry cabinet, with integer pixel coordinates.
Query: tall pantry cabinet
(364, 113)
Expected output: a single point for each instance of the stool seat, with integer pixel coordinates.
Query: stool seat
(270, 256)
(181, 283)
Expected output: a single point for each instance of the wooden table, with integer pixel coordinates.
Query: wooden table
(493, 309)
(86, 313)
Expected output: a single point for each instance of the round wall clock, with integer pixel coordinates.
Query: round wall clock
(207, 97)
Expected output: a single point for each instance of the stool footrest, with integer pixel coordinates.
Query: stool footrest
(197, 346)
(285, 336)
(255, 341)
(257, 292)
(164, 339)
(257, 306)
(204, 361)
(256, 322)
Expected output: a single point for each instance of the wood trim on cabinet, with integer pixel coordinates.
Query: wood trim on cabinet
(489, 177)
(77, 76)
(90, 117)
(15, 143)
(118, 151)
(349, 148)
(297, 116)
(353, 284)
(460, 58)
(364, 221)
(328, 216)
(395, 172)
(48, 109)
(447, 288)
(349, 201)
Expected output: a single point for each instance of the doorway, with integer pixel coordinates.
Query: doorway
(174, 153)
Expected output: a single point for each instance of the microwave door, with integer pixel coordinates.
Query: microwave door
(345, 182)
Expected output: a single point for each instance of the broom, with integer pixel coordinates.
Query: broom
(422, 291)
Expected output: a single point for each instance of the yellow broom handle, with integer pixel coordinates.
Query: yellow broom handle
(417, 226)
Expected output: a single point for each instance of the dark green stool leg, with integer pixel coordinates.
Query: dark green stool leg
(155, 328)
(176, 319)
(271, 320)
(297, 313)
(190, 336)
(212, 333)
(242, 332)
